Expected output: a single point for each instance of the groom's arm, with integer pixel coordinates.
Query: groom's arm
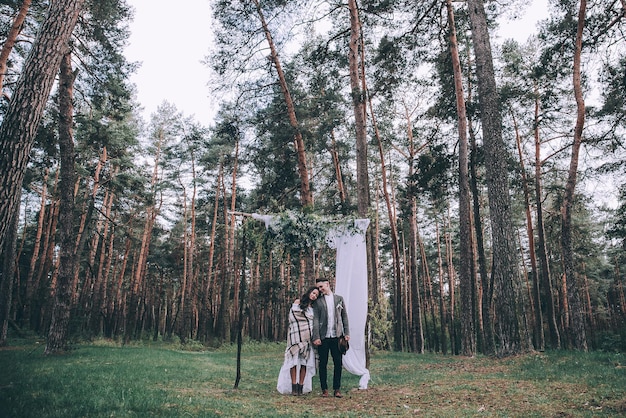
(344, 319)
(315, 336)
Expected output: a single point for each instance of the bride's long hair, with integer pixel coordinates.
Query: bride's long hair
(305, 300)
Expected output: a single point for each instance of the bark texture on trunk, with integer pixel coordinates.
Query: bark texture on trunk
(504, 263)
(535, 295)
(576, 325)
(359, 106)
(467, 274)
(20, 123)
(546, 282)
(58, 332)
(7, 278)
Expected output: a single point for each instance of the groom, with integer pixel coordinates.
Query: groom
(330, 321)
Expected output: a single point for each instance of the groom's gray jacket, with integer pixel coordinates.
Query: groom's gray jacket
(320, 317)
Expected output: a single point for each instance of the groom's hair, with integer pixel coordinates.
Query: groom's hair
(321, 279)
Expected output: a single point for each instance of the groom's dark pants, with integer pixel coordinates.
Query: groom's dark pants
(330, 344)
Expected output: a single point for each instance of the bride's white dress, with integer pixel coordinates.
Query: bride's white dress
(305, 356)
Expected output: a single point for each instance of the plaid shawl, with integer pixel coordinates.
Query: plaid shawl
(299, 336)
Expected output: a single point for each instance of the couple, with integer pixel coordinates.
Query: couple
(316, 320)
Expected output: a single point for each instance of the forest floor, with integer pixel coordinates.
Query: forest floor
(102, 378)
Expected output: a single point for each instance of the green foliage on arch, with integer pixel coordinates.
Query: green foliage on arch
(299, 230)
(304, 231)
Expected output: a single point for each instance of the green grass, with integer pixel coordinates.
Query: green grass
(103, 379)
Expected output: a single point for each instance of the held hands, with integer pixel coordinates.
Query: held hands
(319, 342)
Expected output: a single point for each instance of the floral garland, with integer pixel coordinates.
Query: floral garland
(304, 231)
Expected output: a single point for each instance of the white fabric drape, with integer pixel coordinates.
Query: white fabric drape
(351, 283)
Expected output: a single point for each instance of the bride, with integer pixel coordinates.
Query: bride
(299, 366)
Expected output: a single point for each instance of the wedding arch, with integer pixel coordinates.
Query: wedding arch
(347, 237)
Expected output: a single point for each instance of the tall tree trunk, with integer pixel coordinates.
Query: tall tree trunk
(9, 43)
(306, 197)
(588, 306)
(340, 186)
(241, 305)
(399, 314)
(86, 294)
(210, 293)
(142, 258)
(616, 300)
(43, 305)
(416, 298)
(443, 317)
(576, 325)
(546, 282)
(181, 318)
(107, 286)
(231, 227)
(223, 315)
(35, 256)
(16, 301)
(564, 310)
(193, 270)
(102, 279)
(504, 261)
(619, 289)
(535, 296)
(372, 235)
(467, 274)
(451, 285)
(359, 106)
(116, 305)
(58, 333)
(188, 327)
(7, 278)
(21, 121)
(429, 295)
(484, 298)
(85, 219)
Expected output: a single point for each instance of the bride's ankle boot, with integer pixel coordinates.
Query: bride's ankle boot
(294, 389)
(300, 389)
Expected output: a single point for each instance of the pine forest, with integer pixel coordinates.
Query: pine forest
(491, 170)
